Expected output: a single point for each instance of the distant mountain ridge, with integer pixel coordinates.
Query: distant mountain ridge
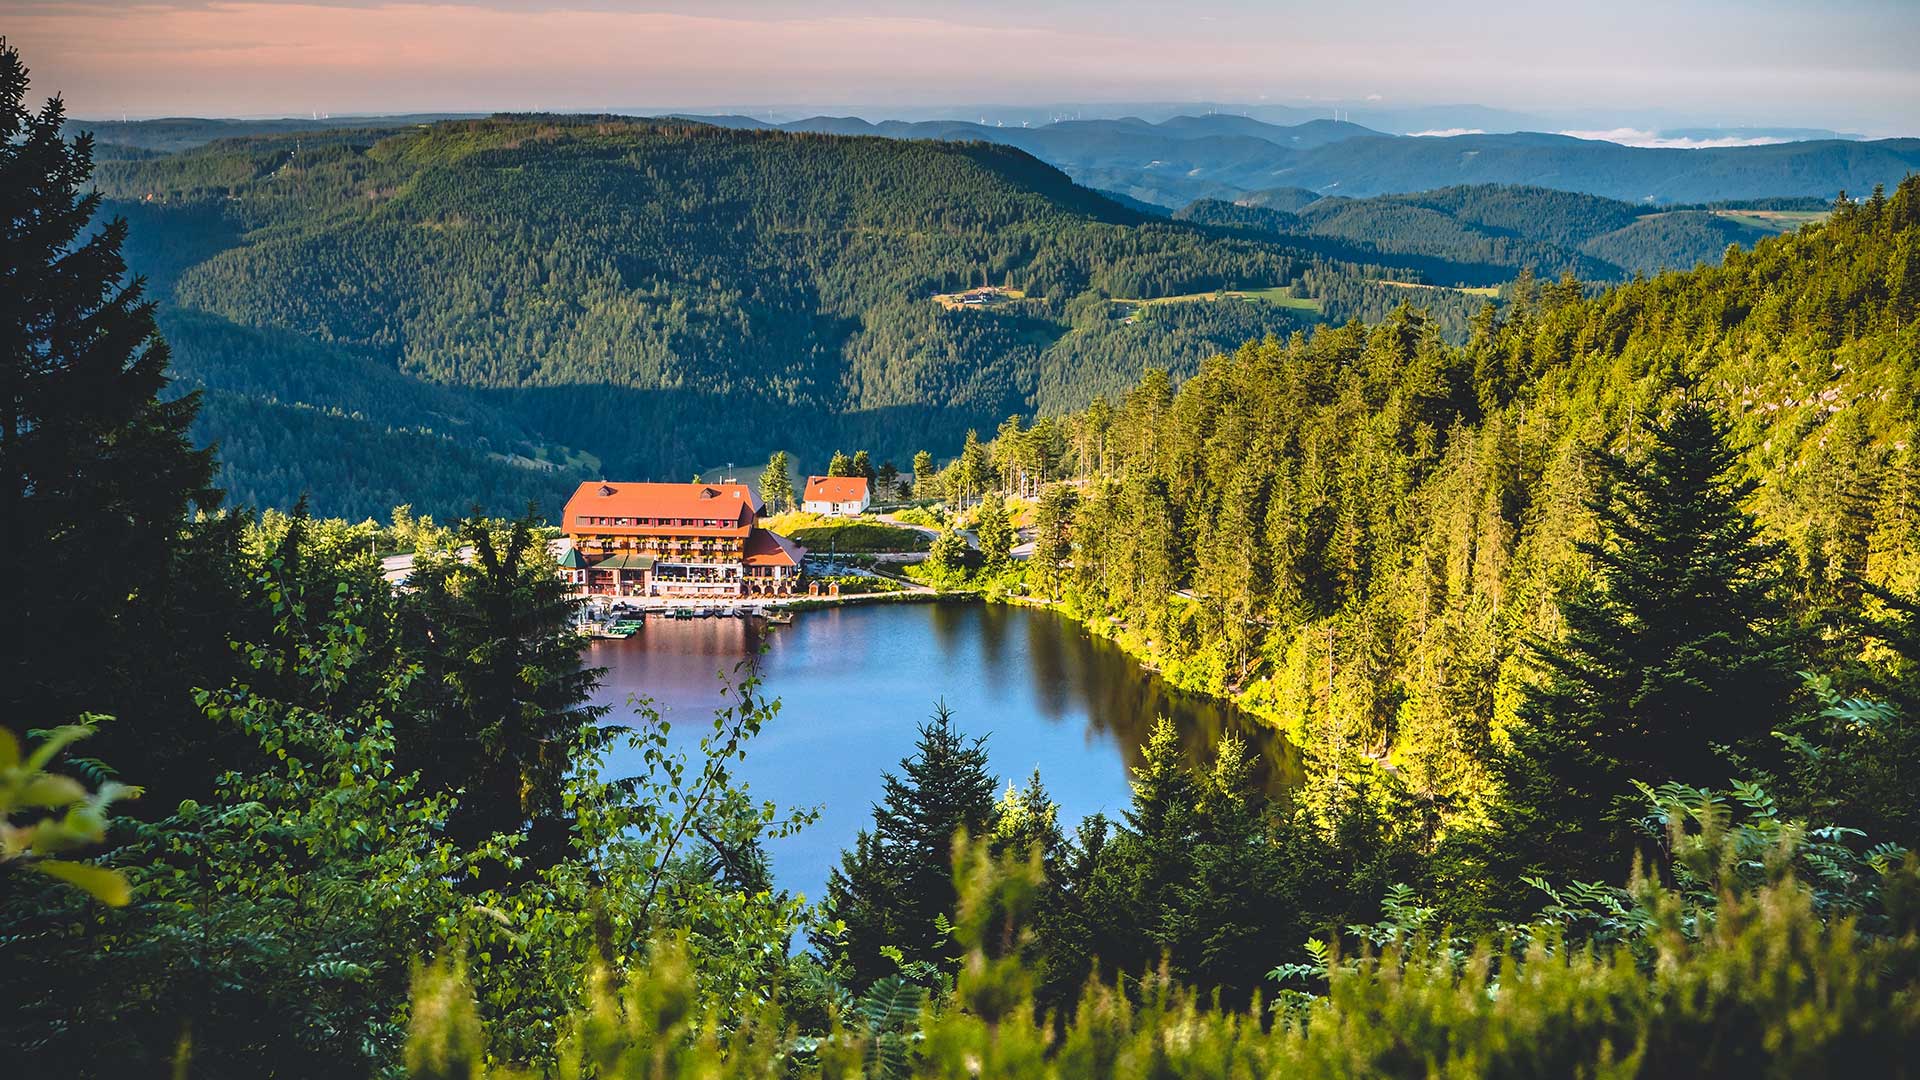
(1175, 160)
(1474, 227)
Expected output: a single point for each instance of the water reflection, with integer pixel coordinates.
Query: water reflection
(855, 682)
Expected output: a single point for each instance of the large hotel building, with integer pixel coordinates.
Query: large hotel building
(675, 540)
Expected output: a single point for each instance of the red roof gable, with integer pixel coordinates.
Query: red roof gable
(766, 548)
(732, 506)
(835, 489)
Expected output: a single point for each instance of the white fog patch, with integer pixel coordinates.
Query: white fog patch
(1655, 140)
(1446, 133)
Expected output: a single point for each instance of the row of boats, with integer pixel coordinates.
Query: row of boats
(623, 622)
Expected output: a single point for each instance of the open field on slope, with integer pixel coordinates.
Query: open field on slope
(1279, 296)
(1773, 220)
(1473, 290)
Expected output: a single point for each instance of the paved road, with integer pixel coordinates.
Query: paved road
(965, 534)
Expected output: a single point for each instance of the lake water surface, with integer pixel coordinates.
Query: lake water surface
(855, 682)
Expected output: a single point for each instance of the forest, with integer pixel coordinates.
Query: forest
(668, 277)
(538, 299)
(1484, 234)
(1614, 606)
(1365, 532)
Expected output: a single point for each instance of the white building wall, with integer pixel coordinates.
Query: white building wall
(836, 509)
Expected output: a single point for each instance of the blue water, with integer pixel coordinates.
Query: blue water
(855, 682)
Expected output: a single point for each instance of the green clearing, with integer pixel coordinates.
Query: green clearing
(993, 296)
(1773, 220)
(1469, 290)
(1278, 295)
(819, 533)
(859, 537)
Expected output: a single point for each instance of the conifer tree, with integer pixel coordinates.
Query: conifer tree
(840, 465)
(1677, 652)
(1052, 539)
(776, 482)
(892, 888)
(923, 474)
(861, 465)
(96, 473)
(947, 555)
(1189, 877)
(995, 531)
(510, 693)
(975, 467)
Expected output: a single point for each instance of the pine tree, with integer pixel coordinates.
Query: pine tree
(98, 473)
(1190, 877)
(840, 465)
(995, 531)
(947, 556)
(495, 637)
(923, 474)
(1052, 539)
(776, 482)
(891, 889)
(1678, 650)
(861, 465)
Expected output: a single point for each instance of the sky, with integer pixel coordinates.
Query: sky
(1627, 64)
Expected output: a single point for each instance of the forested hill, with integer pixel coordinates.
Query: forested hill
(1494, 230)
(1362, 532)
(636, 298)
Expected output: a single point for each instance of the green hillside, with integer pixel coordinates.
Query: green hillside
(1482, 234)
(1363, 533)
(662, 295)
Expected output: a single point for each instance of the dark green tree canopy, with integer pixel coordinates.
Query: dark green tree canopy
(897, 881)
(96, 472)
(1678, 656)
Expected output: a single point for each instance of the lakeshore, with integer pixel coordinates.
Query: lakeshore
(854, 680)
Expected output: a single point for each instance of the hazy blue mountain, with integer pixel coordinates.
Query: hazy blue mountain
(1175, 161)
(1172, 160)
(1462, 231)
(1375, 166)
(1280, 198)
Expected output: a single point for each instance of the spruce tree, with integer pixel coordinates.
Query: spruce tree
(776, 482)
(1676, 654)
(996, 534)
(1052, 540)
(507, 689)
(896, 883)
(1190, 878)
(98, 472)
(923, 474)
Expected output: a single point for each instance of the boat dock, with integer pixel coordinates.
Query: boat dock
(617, 620)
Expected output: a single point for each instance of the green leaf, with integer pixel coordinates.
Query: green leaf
(107, 886)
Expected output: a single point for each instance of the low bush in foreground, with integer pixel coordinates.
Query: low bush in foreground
(1740, 982)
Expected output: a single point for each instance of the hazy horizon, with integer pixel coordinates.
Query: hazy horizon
(1637, 68)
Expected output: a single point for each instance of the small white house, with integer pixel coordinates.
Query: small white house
(836, 496)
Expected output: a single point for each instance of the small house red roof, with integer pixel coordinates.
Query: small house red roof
(765, 548)
(837, 489)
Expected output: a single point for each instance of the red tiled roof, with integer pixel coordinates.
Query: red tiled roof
(766, 548)
(837, 489)
(732, 508)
